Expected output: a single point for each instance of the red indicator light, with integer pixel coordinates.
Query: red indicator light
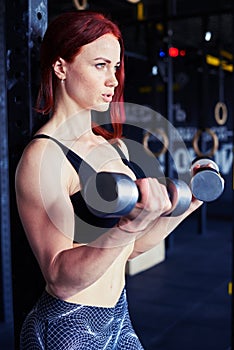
(182, 53)
(173, 52)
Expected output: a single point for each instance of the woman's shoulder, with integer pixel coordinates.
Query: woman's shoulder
(37, 152)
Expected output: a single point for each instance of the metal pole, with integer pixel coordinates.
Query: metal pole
(25, 26)
(232, 324)
(169, 102)
(5, 237)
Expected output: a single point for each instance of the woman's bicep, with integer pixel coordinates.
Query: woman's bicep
(45, 210)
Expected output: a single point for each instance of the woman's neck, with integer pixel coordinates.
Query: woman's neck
(70, 127)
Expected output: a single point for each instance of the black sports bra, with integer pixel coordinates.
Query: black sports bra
(87, 225)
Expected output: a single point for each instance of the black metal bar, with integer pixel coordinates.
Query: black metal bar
(4, 187)
(232, 325)
(26, 23)
(25, 27)
(202, 120)
(169, 106)
(232, 312)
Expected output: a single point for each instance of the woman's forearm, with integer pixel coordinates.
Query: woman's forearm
(75, 269)
(159, 230)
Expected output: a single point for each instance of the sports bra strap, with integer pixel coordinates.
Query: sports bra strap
(80, 165)
(83, 168)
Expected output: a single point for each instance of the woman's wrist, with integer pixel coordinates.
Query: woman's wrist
(136, 226)
(127, 229)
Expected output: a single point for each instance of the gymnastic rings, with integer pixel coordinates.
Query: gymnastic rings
(221, 113)
(165, 142)
(81, 6)
(214, 139)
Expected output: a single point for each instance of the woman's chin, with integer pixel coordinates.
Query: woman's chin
(102, 107)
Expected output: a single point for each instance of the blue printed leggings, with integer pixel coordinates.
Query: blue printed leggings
(54, 324)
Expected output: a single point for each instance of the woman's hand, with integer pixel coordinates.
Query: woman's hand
(154, 202)
(160, 229)
(150, 222)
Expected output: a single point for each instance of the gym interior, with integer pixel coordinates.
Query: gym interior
(179, 107)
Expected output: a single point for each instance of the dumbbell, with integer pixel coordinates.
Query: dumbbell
(206, 182)
(112, 195)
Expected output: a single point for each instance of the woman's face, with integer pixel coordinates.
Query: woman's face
(91, 77)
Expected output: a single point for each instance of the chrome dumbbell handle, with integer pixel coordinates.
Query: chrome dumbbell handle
(180, 196)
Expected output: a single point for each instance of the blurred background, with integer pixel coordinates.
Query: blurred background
(179, 69)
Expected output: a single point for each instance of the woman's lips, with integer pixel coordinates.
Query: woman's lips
(107, 98)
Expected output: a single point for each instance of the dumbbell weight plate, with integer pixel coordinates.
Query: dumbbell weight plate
(180, 196)
(110, 195)
(206, 183)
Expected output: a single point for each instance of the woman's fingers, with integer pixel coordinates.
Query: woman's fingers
(154, 196)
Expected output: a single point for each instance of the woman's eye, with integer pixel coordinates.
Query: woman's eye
(100, 65)
(117, 67)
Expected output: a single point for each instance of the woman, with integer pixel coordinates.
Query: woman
(84, 304)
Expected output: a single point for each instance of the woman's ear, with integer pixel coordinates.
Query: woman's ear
(60, 68)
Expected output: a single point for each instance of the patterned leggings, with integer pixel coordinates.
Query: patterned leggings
(54, 324)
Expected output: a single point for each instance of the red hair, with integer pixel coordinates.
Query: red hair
(64, 38)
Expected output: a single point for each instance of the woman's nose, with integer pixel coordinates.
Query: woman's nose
(112, 80)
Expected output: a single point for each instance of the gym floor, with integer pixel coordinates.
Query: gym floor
(183, 303)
